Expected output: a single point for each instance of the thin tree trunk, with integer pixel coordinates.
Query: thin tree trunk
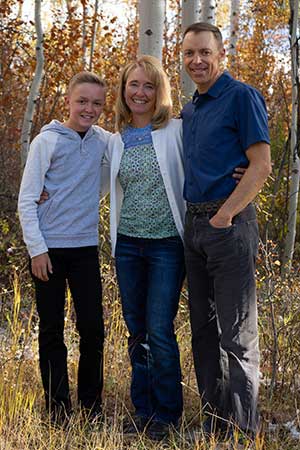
(276, 185)
(69, 8)
(151, 14)
(190, 14)
(20, 10)
(295, 163)
(84, 18)
(208, 11)
(234, 30)
(94, 32)
(35, 85)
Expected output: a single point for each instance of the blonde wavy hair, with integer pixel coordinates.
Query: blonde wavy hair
(163, 105)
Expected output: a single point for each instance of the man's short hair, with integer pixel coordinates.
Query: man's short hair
(197, 27)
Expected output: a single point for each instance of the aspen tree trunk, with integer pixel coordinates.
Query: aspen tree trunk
(20, 10)
(190, 14)
(208, 11)
(35, 85)
(234, 30)
(84, 15)
(294, 158)
(69, 8)
(151, 14)
(94, 32)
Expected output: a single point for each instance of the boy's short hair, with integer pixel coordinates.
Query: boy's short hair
(85, 77)
(197, 27)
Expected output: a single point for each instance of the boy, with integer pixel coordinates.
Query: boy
(61, 235)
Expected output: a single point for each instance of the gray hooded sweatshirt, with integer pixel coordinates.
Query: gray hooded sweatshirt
(68, 168)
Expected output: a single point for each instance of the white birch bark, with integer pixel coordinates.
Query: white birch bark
(190, 14)
(151, 15)
(69, 7)
(294, 159)
(84, 16)
(208, 11)
(234, 29)
(94, 32)
(35, 85)
(20, 10)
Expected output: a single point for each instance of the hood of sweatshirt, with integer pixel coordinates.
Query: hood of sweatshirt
(58, 127)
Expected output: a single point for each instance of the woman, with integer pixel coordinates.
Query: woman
(147, 212)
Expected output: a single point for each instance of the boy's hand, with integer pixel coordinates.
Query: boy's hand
(238, 173)
(41, 266)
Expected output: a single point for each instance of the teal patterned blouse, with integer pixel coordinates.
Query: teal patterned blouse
(145, 211)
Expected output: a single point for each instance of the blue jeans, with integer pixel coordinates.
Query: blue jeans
(150, 274)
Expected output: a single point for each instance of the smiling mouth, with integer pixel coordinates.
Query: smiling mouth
(198, 70)
(139, 102)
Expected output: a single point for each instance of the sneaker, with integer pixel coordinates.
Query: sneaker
(137, 424)
(158, 431)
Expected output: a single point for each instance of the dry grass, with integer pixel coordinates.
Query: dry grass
(23, 425)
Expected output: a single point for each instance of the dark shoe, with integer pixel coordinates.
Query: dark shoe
(137, 424)
(60, 417)
(215, 428)
(210, 426)
(93, 418)
(158, 431)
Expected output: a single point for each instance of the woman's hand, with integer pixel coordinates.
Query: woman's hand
(43, 197)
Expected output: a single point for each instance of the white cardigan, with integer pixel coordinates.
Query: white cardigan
(167, 143)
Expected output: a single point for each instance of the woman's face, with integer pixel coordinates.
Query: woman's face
(140, 94)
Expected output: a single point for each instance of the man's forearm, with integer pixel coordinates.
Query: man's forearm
(244, 193)
(249, 186)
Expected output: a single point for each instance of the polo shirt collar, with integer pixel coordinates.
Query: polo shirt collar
(217, 88)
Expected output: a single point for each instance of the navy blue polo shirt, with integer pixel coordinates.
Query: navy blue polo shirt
(218, 127)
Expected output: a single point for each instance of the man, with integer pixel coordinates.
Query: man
(225, 126)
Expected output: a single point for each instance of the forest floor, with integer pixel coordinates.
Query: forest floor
(23, 425)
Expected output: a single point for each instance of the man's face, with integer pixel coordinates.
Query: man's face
(202, 55)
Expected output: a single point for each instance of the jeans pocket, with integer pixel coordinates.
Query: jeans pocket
(221, 229)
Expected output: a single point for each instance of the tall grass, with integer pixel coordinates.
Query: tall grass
(24, 426)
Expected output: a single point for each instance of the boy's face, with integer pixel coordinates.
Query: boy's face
(85, 102)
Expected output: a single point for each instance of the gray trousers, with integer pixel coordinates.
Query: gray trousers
(220, 265)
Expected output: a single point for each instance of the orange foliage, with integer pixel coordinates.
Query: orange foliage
(262, 45)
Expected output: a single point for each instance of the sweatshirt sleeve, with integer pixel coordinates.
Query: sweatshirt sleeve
(37, 164)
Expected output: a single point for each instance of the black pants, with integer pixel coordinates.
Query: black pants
(220, 265)
(80, 267)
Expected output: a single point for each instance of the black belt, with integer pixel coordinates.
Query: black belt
(205, 207)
